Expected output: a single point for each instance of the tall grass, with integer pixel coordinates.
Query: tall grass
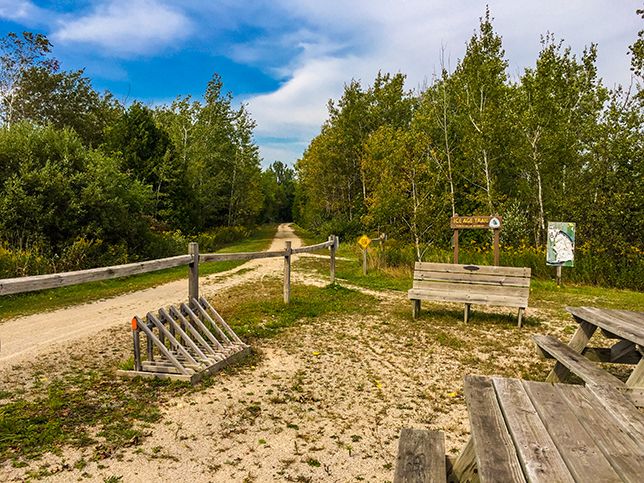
(87, 253)
(597, 267)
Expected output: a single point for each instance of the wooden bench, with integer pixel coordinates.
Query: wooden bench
(470, 284)
(421, 457)
(574, 361)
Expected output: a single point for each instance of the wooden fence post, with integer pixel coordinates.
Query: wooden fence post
(332, 238)
(193, 273)
(287, 272)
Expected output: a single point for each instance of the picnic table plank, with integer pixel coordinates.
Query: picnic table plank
(537, 452)
(582, 456)
(618, 405)
(575, 362)
(496, 456)
(612, 321)
(625, 456)
(421, 457)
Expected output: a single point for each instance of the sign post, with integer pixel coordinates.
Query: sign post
(476, 222)
(364, 242)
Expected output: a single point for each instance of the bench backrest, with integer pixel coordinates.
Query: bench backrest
(509, 286)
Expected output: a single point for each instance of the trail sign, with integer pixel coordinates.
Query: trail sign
(495, 223)
(364, 241)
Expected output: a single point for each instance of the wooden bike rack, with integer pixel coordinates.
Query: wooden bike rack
(190, 341)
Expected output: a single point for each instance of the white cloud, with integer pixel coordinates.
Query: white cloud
(342, 40)
(123, 28)
(19, 11)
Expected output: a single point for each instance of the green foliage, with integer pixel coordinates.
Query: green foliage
(555, 145)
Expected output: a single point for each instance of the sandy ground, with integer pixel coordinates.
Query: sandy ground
(326, 402)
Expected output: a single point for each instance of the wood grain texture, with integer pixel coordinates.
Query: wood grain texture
(496, 456)
(421, 457)
(625, 456)
(482, 269)
(575, 362)
(538, 454)
(42, 282)
(582, 456)
(621, 323)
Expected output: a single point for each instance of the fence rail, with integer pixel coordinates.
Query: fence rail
(10, 286)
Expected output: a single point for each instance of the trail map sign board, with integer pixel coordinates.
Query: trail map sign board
(561, 244)
(477, 222)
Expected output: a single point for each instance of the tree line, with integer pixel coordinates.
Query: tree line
(80, 168)
(553, 145)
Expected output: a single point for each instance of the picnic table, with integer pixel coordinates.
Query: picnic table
(626, 327)
(533, 432)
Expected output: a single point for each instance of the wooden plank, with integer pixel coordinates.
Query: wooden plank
(636, 379)
(473, 278)
(185, 310)
(464, 468)
(634, 394)
(206, 305)
(538, 454)
(173, 341)
(575, 362)
(287, 272)
(482, 269)
(421, 457)
(603, 354)
(623, 410)
(621, 349)
(167, 318)
(206, 317)
(475, 290)
(224, 257)
(156, 375)
(577, 343)
(468, 299)
(312, 248)
(193, 271)
(55, 280)
(195, 333)
(496, 455)
(611, 321)
(582, 456)
(625, 456)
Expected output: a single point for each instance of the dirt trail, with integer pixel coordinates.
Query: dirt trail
(25, 338)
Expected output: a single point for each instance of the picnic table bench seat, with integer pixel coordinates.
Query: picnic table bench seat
(421, 457)
(575, 362)
(470, 284)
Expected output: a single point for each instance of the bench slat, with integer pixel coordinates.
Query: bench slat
(574, 361)
(475, 290)
(477, 278)
(482, 269)
(465, 298)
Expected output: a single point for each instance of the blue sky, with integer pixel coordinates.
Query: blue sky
(287, 58)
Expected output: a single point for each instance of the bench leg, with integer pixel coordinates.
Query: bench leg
(415, 311)
(467, 312)
(636, 378)
(464, 468)
(520, 317)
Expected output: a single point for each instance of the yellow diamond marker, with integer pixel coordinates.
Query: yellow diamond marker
(364, 241)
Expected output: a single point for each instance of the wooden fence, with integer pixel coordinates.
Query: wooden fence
(193, 259)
